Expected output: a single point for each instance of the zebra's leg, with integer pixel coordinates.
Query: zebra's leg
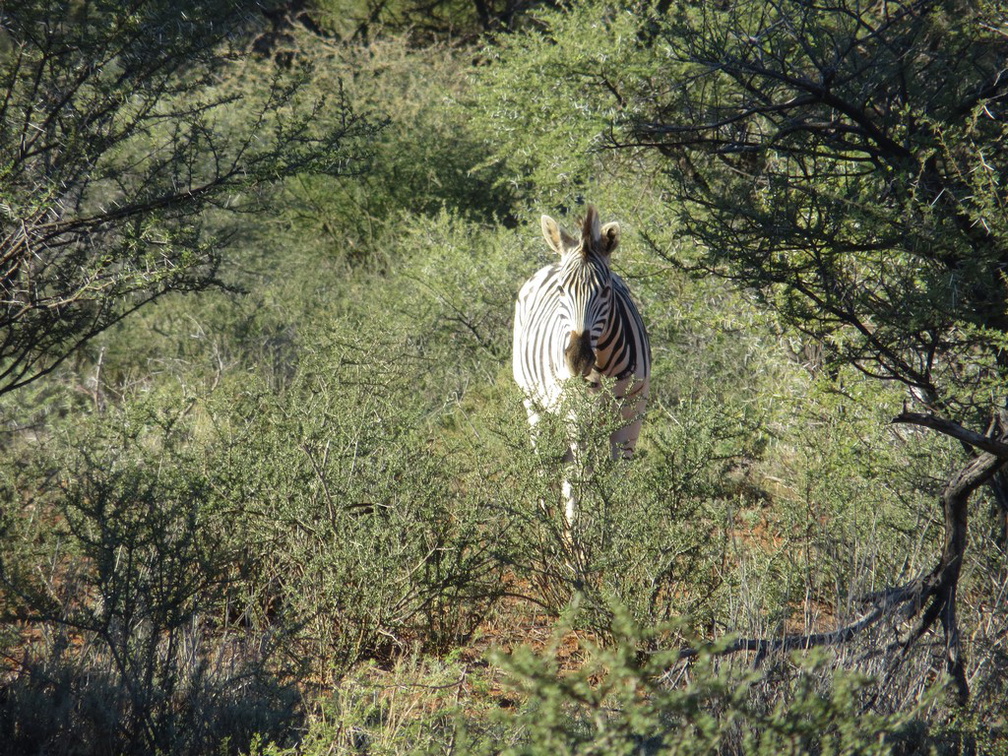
(572, 464)
(573, 480)
(577, 550)
(567, 487)
(623, 440)
(570, 503)
(533, 419)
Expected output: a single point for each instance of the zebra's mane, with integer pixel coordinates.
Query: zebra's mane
(591, 234)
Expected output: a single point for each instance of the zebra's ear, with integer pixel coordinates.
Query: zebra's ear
(610, 238)
(556, 237)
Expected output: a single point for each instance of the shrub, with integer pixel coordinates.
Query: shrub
(115, 566)
(354, 532)
(629, 698)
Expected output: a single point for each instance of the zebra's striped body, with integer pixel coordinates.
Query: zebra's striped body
(575, 319)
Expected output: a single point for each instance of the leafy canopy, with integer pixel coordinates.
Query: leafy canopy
(121, 128)
(847, 160)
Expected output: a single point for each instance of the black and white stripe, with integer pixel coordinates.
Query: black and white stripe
(576, 319)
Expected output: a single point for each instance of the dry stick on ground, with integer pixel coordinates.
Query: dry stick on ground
(931, 597)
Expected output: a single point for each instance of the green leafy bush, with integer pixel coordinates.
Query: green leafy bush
(116, 564)
(429, 156)
(353, 532)
(628, 698)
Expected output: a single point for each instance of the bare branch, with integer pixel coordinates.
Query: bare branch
(993, 446)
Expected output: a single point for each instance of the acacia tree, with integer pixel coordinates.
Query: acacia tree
(847, 161)
(121, 127)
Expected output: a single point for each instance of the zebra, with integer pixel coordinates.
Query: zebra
(575, 319)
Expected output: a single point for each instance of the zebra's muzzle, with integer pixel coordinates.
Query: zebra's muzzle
(578, 355)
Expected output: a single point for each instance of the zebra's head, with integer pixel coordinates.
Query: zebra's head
(584, 286)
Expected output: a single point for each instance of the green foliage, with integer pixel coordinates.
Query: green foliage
(365, 21)
(844, 208)
(626, 698)
(411, 708)
(350, 531)
(121, 130)
(453, 298)
(294, 515)
(119, 564)
(549, 97)
(429, 156)
(639, 526)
